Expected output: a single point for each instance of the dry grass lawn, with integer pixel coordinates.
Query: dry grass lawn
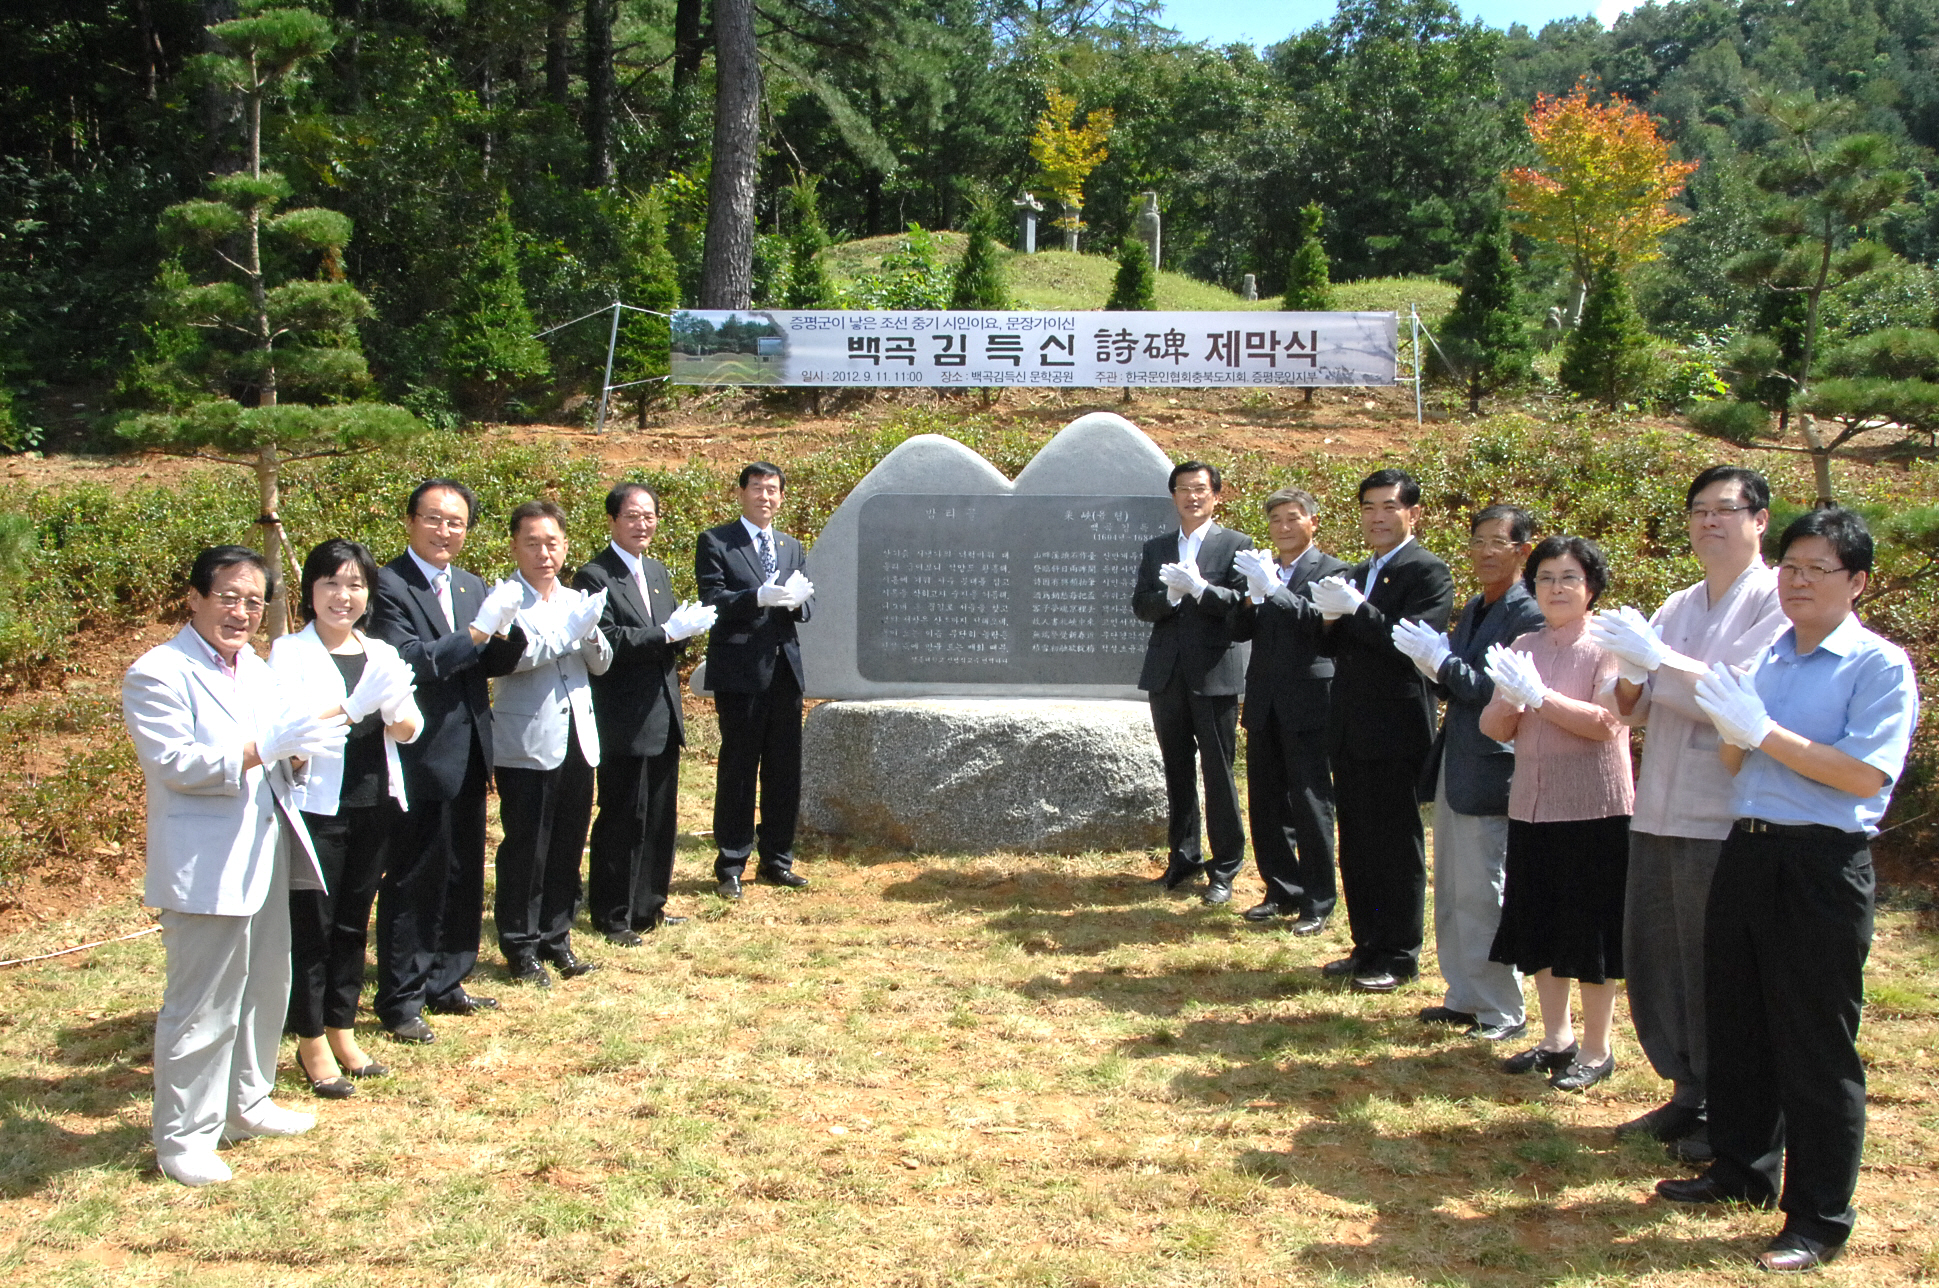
(923, 1070)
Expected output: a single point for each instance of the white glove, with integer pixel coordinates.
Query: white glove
(378, 686)
(689, 620)
(1260, 571)
(403, 696)
(1731, 701)
(405, 708)
(1184, 579)
(1426, 646)
(500, 607)
(1516, 678)
(301, 734)
(799, 588)
(583, 619)
(1336, 597)
(778, 594)
(1638, 649)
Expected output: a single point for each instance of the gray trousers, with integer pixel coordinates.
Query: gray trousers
(1663, 910)
(1469, 851)
(221, 1021)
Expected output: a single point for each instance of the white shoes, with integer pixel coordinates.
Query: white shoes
(203, 1167)
(269, 1120)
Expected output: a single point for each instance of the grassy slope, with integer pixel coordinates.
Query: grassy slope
(1058, 280)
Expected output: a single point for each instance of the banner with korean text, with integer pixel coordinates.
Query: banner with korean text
(940, 349)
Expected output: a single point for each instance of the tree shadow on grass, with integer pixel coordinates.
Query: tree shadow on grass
(98, 1068)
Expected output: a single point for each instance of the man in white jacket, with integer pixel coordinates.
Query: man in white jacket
(214, 732)
(545, 748)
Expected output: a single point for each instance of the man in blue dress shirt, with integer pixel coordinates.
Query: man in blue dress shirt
(1815, 736)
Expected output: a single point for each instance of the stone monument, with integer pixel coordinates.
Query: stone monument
(1028, 208)
(976, 639)
(1149, 227)
(1250, 288)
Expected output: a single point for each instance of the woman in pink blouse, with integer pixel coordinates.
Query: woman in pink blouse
(1568, 814)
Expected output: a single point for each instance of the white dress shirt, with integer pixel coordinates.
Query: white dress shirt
(1379, 562)
(634, 566)
(440, 579)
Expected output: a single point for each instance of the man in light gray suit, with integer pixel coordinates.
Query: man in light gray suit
(213, 732)
(545, 746)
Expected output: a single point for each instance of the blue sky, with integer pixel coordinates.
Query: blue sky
(1263, 22)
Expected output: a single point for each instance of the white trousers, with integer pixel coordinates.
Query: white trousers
(1470, 851)
(221, 1022)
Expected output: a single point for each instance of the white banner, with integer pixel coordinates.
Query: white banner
(940, 349)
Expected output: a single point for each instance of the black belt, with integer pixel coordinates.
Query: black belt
(1758, 825)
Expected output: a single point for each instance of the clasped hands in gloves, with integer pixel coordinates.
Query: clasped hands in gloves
(792, 593)
(1628, 636)
(1427, 647)
(386, 686)
(296, 734)
(1183, 580)
(1337, 597)
(500, 607)
(1260, 570)
(1516, 678)
(690, 619)
(1731, 701)
(582, 619)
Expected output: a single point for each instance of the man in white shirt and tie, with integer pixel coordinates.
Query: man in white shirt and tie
(453, 637)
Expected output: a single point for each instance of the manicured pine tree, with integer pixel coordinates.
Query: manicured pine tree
(1307, 287)
(650, 280)
(492, 357)
(979, 283)
(1486, 333)
(1136, 286)
(1607, 357)
(808, 284)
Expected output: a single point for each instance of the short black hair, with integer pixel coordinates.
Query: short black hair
(326, 561)
(1844, 529)
(1410, 488)
(762, 469)
(432, 485)
(1193, 467)
(1595, 566)
(540, 509)
(1757, 490)
(1521, 524)
(214, 559)
(616, 499)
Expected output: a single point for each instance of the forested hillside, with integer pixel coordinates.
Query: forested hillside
(548, 148)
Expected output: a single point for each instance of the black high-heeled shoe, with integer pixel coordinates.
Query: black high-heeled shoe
(371, 1070)
(336, 1087)
(1536, 1058)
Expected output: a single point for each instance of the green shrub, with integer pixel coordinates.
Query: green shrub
(1732, 421)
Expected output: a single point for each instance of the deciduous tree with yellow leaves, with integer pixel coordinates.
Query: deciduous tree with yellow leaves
(1067, 152)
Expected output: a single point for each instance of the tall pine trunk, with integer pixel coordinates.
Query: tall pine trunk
(599, 93)
(727, 269)
(558, 52)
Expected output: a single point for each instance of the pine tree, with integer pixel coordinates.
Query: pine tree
(1608, 356)
(1486, 333)
(1136, 286)
(1307, 287)
(650, 280)
(808, 284)
(979, 280)
(492, 356)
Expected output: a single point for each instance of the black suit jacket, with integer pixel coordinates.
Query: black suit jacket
(1192, 638)
(746, 638)
(451, 672)
(636, 703)
(1479, 768)
(1382, 707)
(1288, 679)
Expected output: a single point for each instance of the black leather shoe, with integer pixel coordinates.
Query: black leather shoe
(528, 970)
(413, 1031)
(729, 888)
(1580, 1077)
(1264, 911)
(1309, 925)
(1447, 1015)
(1706, 1189)
(1665, 1123)
(657, 922)
(461, 1003)
(1217, 893)
(624, 938)
(1546, 1061)
(569, 964)
(1340, 969)
(1694, 1148)
(1499, 1032)
(1791, 1253)
(1377, 981)
(1180, 874)
(792, 880)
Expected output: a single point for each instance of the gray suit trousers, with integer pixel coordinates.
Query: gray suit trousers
(222, 1015)
(1663, 910)
(1470, 851)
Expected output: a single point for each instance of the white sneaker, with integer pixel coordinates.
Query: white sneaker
(203, 1167)
(269, 1120)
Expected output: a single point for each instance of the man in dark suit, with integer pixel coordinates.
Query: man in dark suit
(1467, 777)
(1381, 729)
(431, 903)
(636, 706)
(1188, 588)
(752, 577)
(1289, 778)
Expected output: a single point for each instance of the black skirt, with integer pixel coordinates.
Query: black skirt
(1562, 898)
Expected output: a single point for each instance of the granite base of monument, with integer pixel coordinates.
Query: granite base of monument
(973, 775)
